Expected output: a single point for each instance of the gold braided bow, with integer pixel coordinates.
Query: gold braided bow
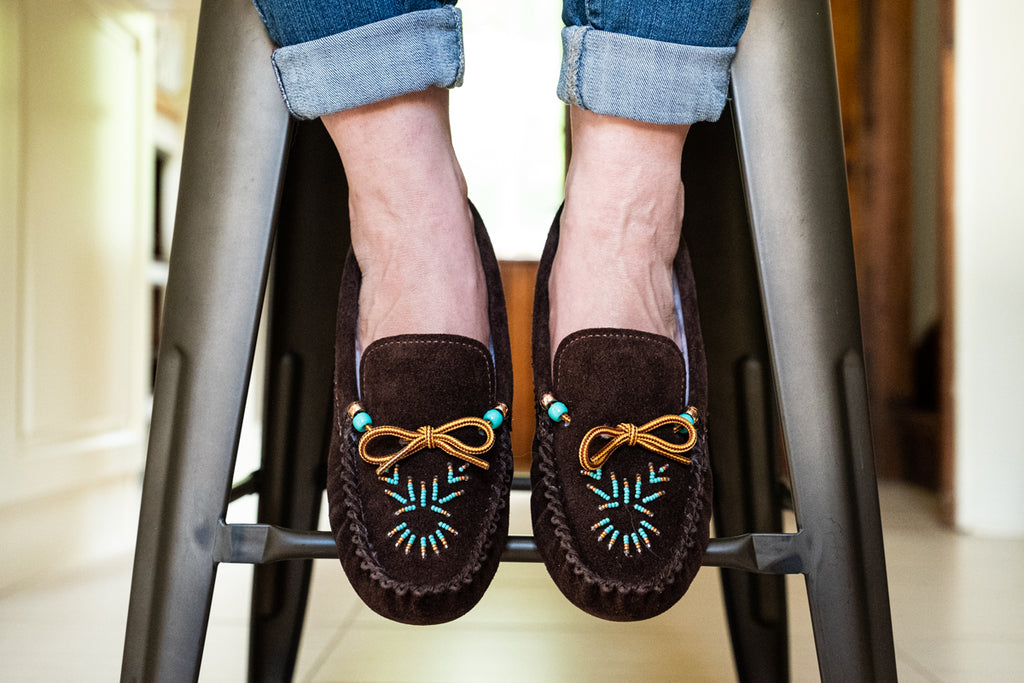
(630, 435)
(429, 437)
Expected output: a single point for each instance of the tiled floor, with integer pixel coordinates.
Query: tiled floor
(957, 602)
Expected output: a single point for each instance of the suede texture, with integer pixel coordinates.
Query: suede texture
(632, 560)
(430, 564)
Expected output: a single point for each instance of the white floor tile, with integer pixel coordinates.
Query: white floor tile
(957, 604)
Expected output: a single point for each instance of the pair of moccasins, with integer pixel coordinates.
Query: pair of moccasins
(420, 466)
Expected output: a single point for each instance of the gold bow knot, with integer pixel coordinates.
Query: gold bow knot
(625, 434)
(429, 438)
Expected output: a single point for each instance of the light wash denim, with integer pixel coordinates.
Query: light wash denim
(665, 61)
(659, 61)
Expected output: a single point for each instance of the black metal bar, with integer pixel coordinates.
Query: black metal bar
(788, 124)
(312, 238)
(265, 543)
(742, 440)
(520, 483)
(246, 487)
(235, 140)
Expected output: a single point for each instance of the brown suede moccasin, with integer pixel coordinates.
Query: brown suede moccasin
(621, 480)
(421, 460)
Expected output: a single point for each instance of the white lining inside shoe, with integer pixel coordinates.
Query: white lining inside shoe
(681, 337)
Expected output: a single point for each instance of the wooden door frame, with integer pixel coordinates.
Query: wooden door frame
(874, 48)
(947, 405)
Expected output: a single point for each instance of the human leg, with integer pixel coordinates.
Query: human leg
(375, 71)
(621, 475)
(422, 372)
(412, 231)
(636, 76)
(620, 227)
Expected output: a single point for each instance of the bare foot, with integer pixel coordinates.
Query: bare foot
(412, 231)
(620, 227)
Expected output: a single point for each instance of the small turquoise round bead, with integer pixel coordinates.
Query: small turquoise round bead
(687, 417)
(361, 421)
(495, 417)
(556, 410)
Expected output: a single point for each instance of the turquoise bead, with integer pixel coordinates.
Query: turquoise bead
(361, 421)
(687, 417)
(495, 417)
(556, 410)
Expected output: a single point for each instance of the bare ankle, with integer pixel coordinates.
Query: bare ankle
(599, 279)
(412, 230)
(620, 228)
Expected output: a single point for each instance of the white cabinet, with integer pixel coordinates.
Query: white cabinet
(76, 179)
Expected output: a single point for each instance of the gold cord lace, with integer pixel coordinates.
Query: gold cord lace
(429, 437)
(630, 435)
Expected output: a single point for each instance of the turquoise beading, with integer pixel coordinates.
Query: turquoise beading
(495, 417)
(360, 421)
(556, 410)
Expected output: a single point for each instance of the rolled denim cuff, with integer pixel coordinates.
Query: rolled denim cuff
(643, 79)
(372, 63)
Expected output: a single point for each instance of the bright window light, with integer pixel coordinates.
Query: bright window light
(507, 122)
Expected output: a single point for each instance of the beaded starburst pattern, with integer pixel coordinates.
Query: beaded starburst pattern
(429, 499)
(626, 496)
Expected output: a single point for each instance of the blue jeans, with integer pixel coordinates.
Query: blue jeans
(659, 61)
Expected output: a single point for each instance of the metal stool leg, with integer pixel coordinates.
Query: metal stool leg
(742, 413)
(312, 240)
(788, 125)
(234, 146)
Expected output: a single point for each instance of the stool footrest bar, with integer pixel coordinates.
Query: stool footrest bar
(758, 553)
(266, 543)
(248, 486)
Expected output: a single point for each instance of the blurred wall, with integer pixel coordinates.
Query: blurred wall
(989, 266)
